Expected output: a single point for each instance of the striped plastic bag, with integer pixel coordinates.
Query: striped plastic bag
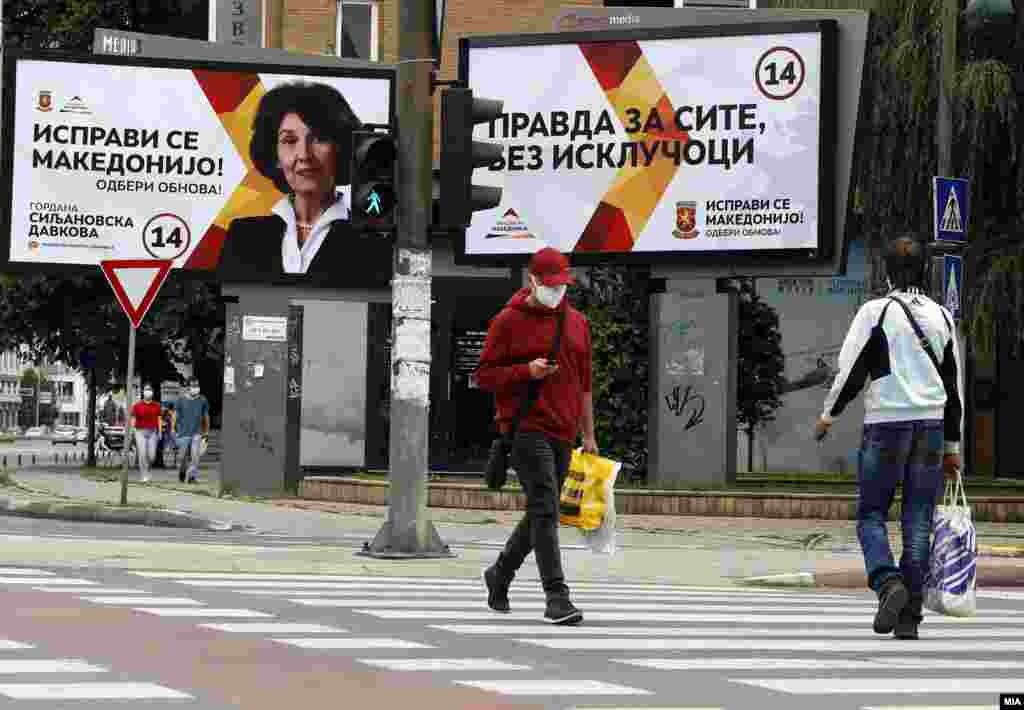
(951, 581)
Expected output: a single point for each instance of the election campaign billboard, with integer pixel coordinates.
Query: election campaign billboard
(233, 171)
(703, 144)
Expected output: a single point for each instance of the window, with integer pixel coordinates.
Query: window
(356, 36)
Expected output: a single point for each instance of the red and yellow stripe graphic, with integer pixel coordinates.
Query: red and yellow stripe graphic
(629, 82)
(235, 98)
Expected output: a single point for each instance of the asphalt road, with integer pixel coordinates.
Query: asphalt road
(222, 639)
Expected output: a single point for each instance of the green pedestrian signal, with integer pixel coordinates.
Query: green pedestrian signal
(374, 204)
(374, 159)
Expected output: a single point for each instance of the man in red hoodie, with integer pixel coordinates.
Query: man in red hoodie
(519, 342)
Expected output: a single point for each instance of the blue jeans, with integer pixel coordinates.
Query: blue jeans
(907, 454)
(188, 450)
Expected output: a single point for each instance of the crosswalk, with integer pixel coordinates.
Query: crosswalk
(639, 642)
(20, 660)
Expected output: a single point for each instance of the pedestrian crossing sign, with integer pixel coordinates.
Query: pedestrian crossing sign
(951, 209)
(952, 283)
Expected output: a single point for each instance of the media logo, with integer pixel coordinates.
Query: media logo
(76, 104)
(510, 226)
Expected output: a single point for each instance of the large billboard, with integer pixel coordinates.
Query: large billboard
(233, 171)
(692, 143)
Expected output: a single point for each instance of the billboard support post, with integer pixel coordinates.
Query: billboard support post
(128, 403)
(408, 532)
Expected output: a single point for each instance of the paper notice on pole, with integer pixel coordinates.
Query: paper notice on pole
(229, 379)
(272, 329)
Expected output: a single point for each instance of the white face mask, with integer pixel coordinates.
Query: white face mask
(549, 296)
(147, 394)
(193, 391)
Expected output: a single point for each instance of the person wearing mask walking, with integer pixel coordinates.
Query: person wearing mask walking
(191, 426)
(904, 345)
(519, 342)
(146, 424)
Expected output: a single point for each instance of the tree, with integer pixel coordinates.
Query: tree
(615, 302)
(896, 155)
(69, 24)
(760, 363)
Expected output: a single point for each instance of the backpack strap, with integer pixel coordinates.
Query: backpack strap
(925, 344)
(533, 388)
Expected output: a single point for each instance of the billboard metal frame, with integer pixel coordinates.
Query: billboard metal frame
(827, 126)
(9, 82)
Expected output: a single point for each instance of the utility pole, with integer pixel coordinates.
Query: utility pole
(408, 532)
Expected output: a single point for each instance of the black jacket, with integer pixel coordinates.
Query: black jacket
(346, 259)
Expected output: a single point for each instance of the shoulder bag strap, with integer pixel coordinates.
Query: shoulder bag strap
(533, 388)
(921, 337)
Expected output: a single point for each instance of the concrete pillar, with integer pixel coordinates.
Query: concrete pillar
(692, 401)
(254, 441)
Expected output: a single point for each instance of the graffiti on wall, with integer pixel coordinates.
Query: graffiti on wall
(687, 404)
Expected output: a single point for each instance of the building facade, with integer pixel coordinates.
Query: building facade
(10, 389)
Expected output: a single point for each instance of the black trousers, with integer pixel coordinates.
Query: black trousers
(541, 465)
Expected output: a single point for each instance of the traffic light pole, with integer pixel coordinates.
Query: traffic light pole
(408, 532)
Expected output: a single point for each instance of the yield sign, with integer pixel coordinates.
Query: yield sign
(136, 283)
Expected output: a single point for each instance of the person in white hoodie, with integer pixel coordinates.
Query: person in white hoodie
(912, 427)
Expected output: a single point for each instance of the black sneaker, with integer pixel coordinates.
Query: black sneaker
(892, 598)
(193, 479)
(497, 591)
(906, 626)
(561, 611)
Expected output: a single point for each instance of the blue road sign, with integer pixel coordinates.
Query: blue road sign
(952, 283)
(951, 209)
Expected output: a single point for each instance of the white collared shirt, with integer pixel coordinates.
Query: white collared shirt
(296, 260)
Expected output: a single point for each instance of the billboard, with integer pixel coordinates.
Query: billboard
(696, 144)
(232, 171)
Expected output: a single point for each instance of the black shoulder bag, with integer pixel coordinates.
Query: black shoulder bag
(496, 472)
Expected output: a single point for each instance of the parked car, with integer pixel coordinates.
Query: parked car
(64, 435)
(36, 432)
(83, 434)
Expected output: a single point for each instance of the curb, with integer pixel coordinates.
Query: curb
(991, 573)
(79, 512)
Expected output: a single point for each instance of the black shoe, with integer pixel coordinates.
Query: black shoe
(193, 479)
(497, 591)
(561, 611)
(892, 598)
(181, 476)
(906, 627)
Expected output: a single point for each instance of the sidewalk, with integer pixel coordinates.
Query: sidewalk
(728, 548)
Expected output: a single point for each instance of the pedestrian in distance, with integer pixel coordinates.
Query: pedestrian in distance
(517, 349)
(904, 345)
(191, 427)
(146, 424)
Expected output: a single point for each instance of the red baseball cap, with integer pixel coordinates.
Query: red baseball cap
(551, 267)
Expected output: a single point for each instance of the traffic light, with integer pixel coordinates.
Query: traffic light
(983, 11)
(458, 197)
(374, 157)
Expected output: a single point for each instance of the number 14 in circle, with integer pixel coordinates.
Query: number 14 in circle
(166, 236)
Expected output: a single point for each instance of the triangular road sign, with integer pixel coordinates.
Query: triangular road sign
(951, 221)
(136, 283)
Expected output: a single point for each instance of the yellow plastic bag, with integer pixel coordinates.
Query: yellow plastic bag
(587, 493)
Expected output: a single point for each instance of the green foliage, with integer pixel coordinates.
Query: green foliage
(614, 299)
(70, 24)
(986, 88)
